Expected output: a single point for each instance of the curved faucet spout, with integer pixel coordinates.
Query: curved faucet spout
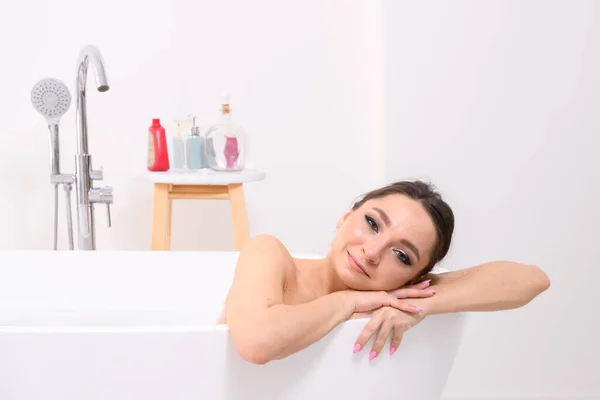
(86, 193)
(91, 54)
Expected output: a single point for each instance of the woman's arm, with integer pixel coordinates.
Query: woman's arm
(265, 329)
(493, 286)
(261, 326)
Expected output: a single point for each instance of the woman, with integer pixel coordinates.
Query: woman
(379, 264)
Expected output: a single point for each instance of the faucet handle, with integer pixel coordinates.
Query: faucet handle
(108, 214)
(97, 175)
(101, 195)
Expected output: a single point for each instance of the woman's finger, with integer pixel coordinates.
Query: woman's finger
(384, 331)
(404, 306)
(368, 331)
(396, 338)
(421, 285)
(401, 305)
(406, 293)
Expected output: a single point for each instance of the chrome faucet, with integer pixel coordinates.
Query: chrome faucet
(87, 195)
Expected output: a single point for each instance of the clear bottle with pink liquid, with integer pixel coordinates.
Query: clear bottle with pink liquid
(226, 143)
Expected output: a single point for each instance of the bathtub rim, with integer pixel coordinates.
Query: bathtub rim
(171, 328)
(71, 326)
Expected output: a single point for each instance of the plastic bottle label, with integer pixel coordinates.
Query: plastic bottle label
(151, 155)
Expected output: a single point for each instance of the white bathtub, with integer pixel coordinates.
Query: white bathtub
(141, 326)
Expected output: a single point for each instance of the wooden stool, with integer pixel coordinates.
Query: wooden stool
(204, 185)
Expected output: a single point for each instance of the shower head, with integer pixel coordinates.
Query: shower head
(51, 98)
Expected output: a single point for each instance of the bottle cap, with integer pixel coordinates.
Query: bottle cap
(225, 109)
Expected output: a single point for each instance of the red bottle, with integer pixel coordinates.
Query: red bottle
(158, 156)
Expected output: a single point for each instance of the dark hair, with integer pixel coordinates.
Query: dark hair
(439, 211)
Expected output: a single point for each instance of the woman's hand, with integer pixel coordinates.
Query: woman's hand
(386, 321)
(418, 290)
(366, 301)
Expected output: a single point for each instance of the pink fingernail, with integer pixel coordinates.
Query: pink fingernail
(372, 355)
(392, 350)
(430, 291)
(357, 348)
(420, 309)
(427, 281)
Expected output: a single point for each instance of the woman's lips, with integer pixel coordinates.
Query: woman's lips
(355, 264)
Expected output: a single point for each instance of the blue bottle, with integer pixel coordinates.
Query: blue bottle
(194, 147)
(178, 152)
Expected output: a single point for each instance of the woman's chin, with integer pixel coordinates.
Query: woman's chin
(353, 280)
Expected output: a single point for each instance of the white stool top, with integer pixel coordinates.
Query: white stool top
(205, 177)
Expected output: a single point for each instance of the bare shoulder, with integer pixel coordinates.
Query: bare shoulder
(265, 251)
(266, 242)
(263, 268)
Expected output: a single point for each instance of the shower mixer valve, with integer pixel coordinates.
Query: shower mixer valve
(51, 98)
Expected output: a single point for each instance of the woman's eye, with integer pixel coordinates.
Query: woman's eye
(403, 257)
(372, 222)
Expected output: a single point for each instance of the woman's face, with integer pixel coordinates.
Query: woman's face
(384, 244)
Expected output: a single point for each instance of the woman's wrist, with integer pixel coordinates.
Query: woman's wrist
(346, 301)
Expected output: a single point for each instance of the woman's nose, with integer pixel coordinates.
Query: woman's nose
(372, 251)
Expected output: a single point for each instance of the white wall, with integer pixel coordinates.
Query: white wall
(497, 103)
(301, 76)
(309, 80)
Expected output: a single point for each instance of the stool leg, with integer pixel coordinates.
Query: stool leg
(161, 218)
(238, 215)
